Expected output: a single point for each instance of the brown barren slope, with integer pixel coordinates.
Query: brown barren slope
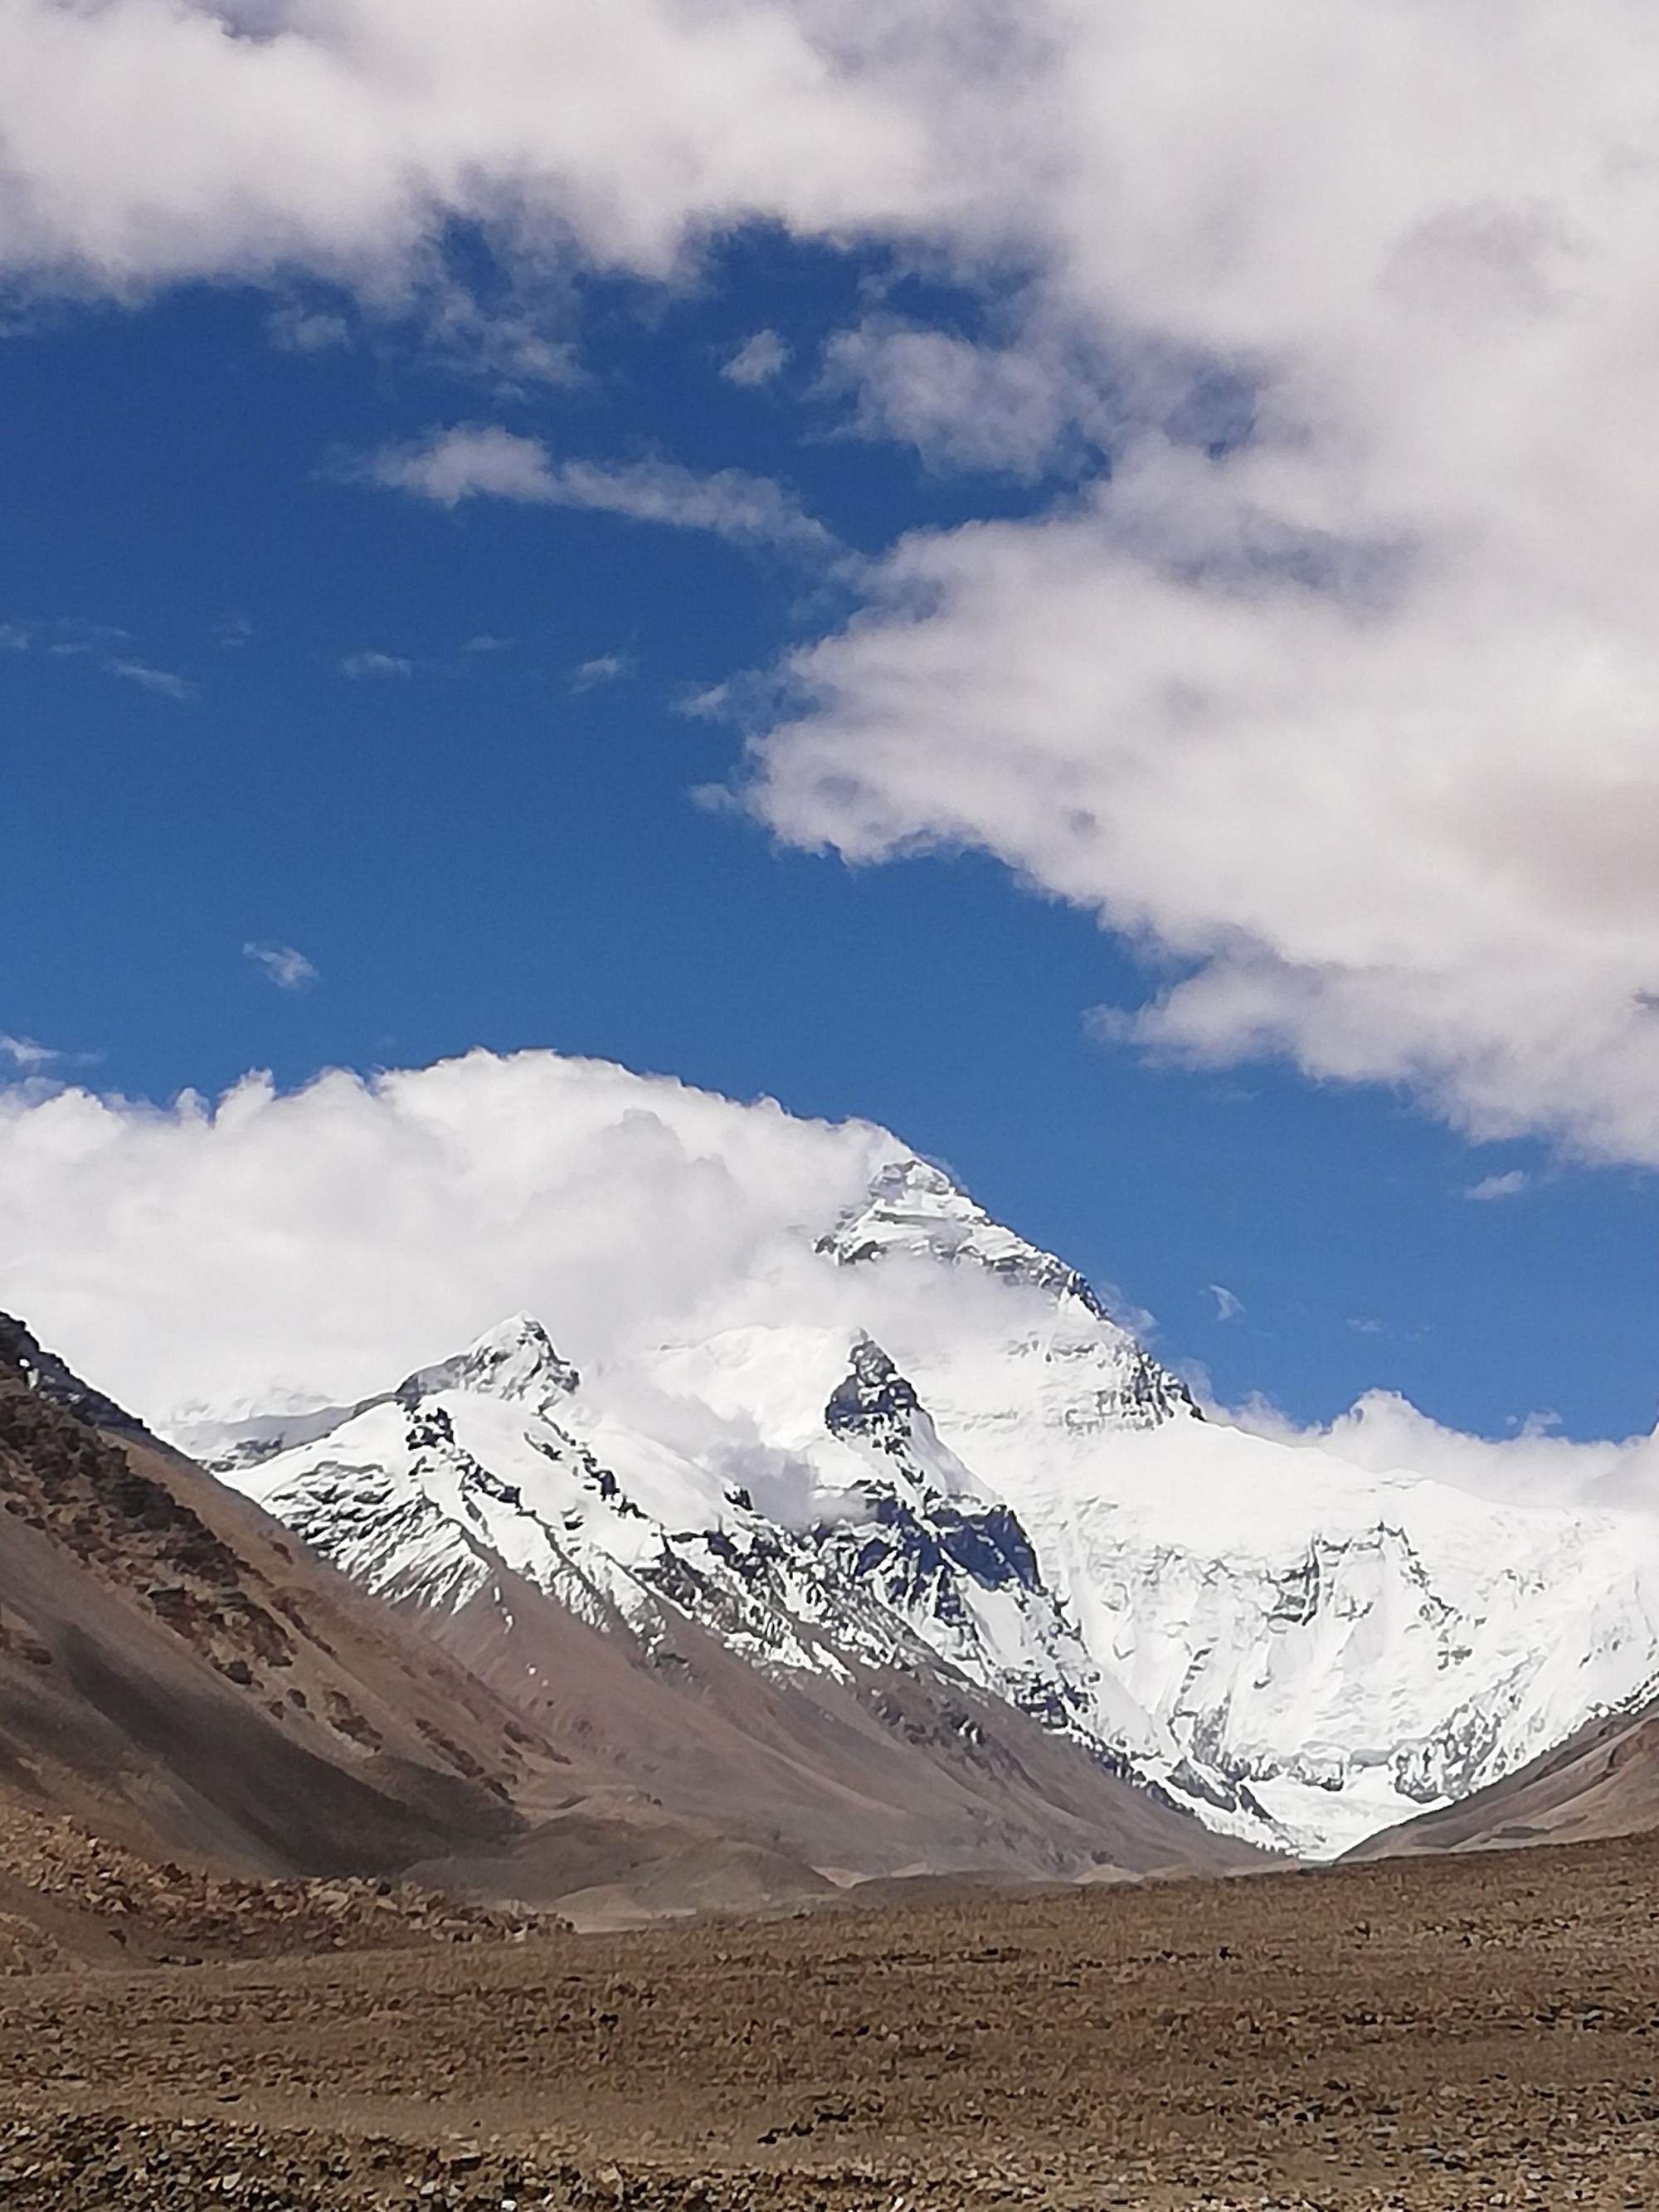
(900, 1773)
(1604, 1781)
(178, 1678)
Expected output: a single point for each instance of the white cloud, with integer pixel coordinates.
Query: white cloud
(295, 329)
(105, 644)
(366, 667)
(38, 1071)
(288, 969)
(24, 1052)
(759, 360)
(1228, 1304)
(1000, 407)
(1387, 814)
(1384, 1433)
(604, 668)
(463, 464)
(326, 1240)
(1499, 1186)
(159, 140)
(1346, 714)
(161, 681)
(316, 1245)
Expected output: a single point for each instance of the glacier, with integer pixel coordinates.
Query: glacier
(1299, 1652)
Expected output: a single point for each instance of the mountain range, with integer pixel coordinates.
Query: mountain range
(989, 1593)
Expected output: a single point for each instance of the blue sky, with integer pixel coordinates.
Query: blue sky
(449, 753)
(491, 848)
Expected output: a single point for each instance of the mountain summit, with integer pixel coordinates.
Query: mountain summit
(515, 1359)
(915, 1209)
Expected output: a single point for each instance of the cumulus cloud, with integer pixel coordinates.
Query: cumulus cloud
(324, 1242)
(1336, 696)
(463, 464)
(287, 967)
(311, 1246)
(759, 360)
(168, 139)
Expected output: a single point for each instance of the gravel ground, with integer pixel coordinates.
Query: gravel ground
(1470, 2031)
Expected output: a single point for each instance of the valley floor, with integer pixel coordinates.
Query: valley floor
(1454, 2032)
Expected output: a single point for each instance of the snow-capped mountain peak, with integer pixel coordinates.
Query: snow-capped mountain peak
(915, 1209)
(1012, 1493)
(515, 1359)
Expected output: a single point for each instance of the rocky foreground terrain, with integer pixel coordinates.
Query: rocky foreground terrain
(1475, 2030)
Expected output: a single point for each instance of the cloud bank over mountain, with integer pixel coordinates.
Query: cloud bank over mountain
(313, 1243)
(272, 1249)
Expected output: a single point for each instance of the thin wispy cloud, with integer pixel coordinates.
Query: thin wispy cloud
(301, 329)
(106, 645)
(26, 1054)
(369, 666)
(1228, 1304)
(1499, 1186)
(68, 638)
(161, 681)
(284, 965)
(465, 464)
(606, 668)
(28, 1057)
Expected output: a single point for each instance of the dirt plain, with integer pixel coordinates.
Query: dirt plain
(1475, 2030)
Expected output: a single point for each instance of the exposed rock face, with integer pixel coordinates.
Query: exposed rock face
(47, 1376)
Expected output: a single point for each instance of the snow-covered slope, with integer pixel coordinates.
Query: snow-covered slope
(1301, 1653)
